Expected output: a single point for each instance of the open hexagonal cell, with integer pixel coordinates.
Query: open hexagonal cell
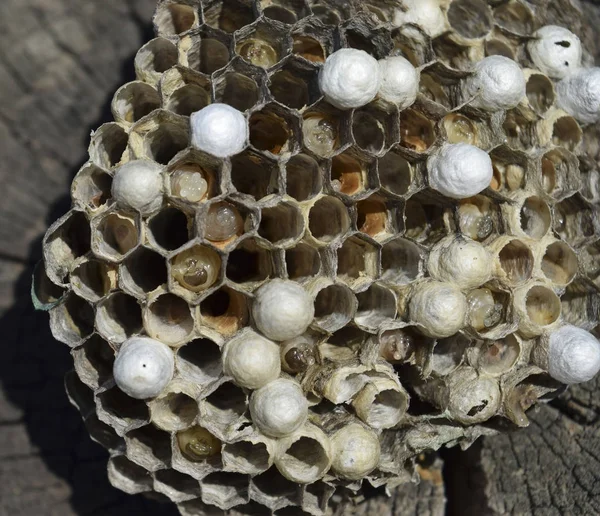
(175, 485)
(478, 217)
(169, 319)
(208, 52)
(149, 447)
(223, 223)
(306, 458)
(448, 354)
(506, 175)
(590, 262)
(543, 306)
(516, 260)
(349, 173)
(356, 261)
(328, 219)
(44, 293)
(94, 361)
(93, 279)
(417, 132)
(247, 456)
(227, 404)
(535, 217)
(196, 268)
(91, 187)
(249, 263)
(374, 129)
(395, 173)
(302, 262)
(285, 11)
(108, 145)
(104, 435)
(470, 18)
(560, 172)
(276, 490)
(303, 177)
(372, 216)
(143, 271)
(170, 229)
(540, 93)
(559, 263)
(174, 410)
(515, 17)
(424, 219)
(187, 100)
(120, 411)
(401, 261)
(499, 356)
(567, 133)
(271, 130)
(412, 43)
(281, 224)
(295, 85)
(79, 394)
(225, 490)
(172, 19)
(228, 15)
(581, 304)
(376, 305)
(335, 306)
(308, 47)
(574, 220)
(114, 235)
(460, 129)
(364, 33)
(129, 477)
(133, 101)
(453, 52)
(195, 177)
(321, 130)
(226, 310)
(199, 361)
(118, 317)
(162, 135)
(254, 175)
(520, 132)
(499, 47)
(262, 45)
(154, 58)
(72, 321)
(237, 86)
(487, 308)
(435, 85)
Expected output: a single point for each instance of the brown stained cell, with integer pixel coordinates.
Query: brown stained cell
(308, 48)
(372, 216)
(417, 132)
(269, 132)
(347, 174)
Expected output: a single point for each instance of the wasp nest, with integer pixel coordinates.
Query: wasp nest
(321, 238)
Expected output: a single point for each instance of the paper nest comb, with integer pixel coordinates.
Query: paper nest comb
(337, 202)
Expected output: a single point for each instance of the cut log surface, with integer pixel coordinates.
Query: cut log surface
(60, 62)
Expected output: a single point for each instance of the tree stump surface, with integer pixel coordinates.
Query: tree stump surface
(60, 63)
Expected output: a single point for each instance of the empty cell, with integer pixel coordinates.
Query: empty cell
(115, 235)
(560, 172)
(432, 87)
(362, 33)
(228, 15)
(94, 361)
(169, 319)
(535, 217)
(149, 447)
(401, 261)
(130, 477)
(295, 85)
(227, 404)
(199, 361)
(237, 90)
(91, 187)
(225, 490)
(164, 141)
(335, 306)
(448, 354)
(357, 260)
(567, 133)
(285, 11)
(470, 18)
(226, 310)
(376, 305)
(174, 19)
(498, 356)
(270, 131)
(170, 229)
(540, 92)
(559, 263)
(281, 223)
(372, 216)
(208, 53)
(328, 219)
(424, 220)
(174, 410)
(302, 262)
(543, 306)
(417, 132)
(79, 394)
(123, 412)
(516, 260)
(93, 279)
(303, 177)
(143, 271)
(118, 317)
(103, 434)
(249, 263)
(275, 488)
(307, 458)
(72, 321)
(309, 48)
(395, 173)
(515, 17)
(371, 129)
(44, 293)
(248, 456)
(253, 175)
(574, 220)
(348, 173)
(133, 101)
(498, 47)
(154, 58)
(580, 304)
(108, 145)
(188, 99)
(413, 44)
(263, 45)
(177, 486)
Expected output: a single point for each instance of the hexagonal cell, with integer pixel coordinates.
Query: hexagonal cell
(412, 43)
(143, 272)
(417, 132)
(160, 136)
(364, 33)
(94, 361)
(79, 394)
(154, 58)
(316, 497)
(580, 304)
(104, 435)
(322, 130)
(127, 476)
(516, 260)
(262, 44)
(208, 50)
(396, 173)
(440, 84)
(308, 47)
(108, 145)
(590, 262)
(195, 269)
(543, 305)
(247, 455)
(178, 487)
(226, 310)
(225, 490)
(401, 261)
(169, 319)
(91, 187)
(285, 11)
(303, 177)
(228, 15)
(590, 180)
(133, 101)
(509, 172)
(302, 262)
(376, 306)
(295, 84)
(460, 129)
(120, 411)
(282, 224)
(249, 264)
(196, 451)
(238, 85)
(515, 17)
(499, 356)
(373, 217)
(175, 408)
(566, 132)
(173, 19)
(226, 404)
(335, 306)
(115, 235)
(328, 219)
(194, 508)
(448, 354)
(199, 361)
(478, 217)
(274, 490)
(489, 308)
(225, 222)
(472, 19)
(560, 173)
(118, 317)
(149, 447)
(72, 321)
(520, 132)
(254, 175)
(350, 172)
(540, 93)
(499, 47)
(425, 219)
(184, 92)
(195, 176)
(374, 130)
(452, 50)
(170, 229)
(93, 279)
(356, 261)
(272, 130)
(535, 217)
(574, 220)
(44, 293)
